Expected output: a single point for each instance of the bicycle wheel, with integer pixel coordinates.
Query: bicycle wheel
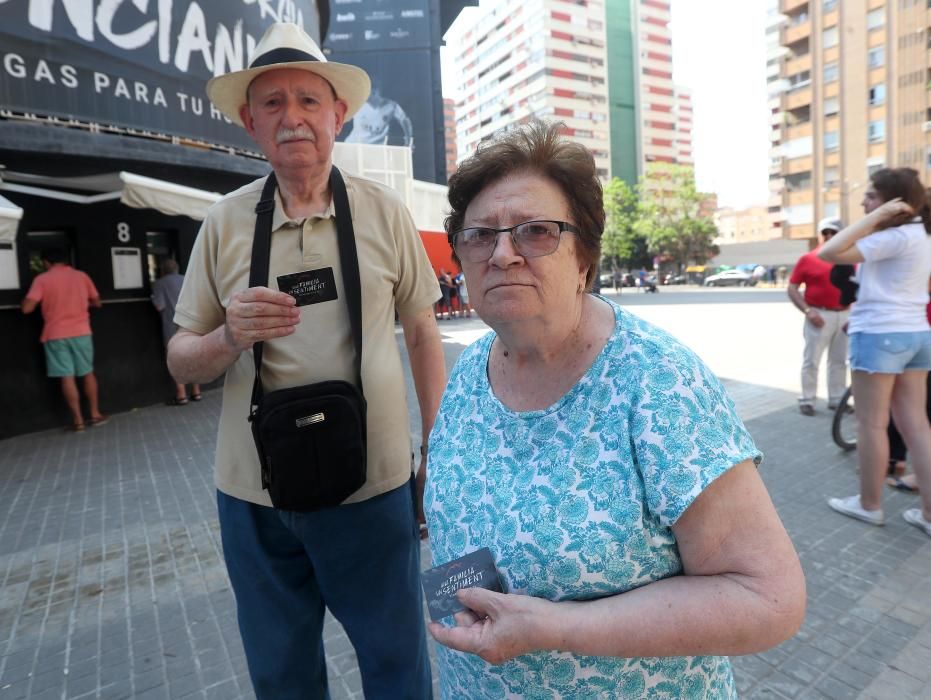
(844, 425)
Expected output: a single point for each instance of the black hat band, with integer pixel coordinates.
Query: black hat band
(282, 56)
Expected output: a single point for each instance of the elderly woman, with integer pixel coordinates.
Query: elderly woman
(890, 344)
(597, 458)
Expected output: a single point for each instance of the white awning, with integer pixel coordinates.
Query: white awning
(10, 214)
(148, 193)
(131, 189)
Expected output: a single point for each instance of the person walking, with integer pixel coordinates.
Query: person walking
(165, 293)
(890, 340)
(65, 296)
(823, 329)
(360, 557)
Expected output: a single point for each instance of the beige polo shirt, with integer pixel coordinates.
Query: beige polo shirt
(394, 272)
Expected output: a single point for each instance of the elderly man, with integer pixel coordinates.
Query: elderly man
(825, 318)
(360, 558)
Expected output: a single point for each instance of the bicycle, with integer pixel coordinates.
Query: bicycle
(844, 425)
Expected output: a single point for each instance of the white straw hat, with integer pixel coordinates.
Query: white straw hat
(286, 45)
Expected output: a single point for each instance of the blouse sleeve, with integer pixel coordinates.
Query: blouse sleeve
(890, 243)
(685, 431)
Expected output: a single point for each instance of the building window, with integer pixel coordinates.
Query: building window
(798, 181)
(831, 106)
(875, 19)
(831, 209)
(829, 5)
(876, 131)
(829, 37)
(830, 72)
(873, 167)
(878, 94)
(831, 140)
(876, 57)
(831, 177)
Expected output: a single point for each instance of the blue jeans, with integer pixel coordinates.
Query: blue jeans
(890, 353)
(362, 561)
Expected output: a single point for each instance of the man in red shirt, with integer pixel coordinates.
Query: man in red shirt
(825, 320)
(65, 295)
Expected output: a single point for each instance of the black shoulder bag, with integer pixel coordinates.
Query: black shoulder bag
(310, 439)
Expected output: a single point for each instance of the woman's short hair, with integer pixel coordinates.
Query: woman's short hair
(904, 183)
(536, 147)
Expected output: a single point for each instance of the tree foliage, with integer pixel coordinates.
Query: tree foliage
(664, 217)
(621, 244)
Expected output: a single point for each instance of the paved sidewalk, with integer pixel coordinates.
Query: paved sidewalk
(112, 583)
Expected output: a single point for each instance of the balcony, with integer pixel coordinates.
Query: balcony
(798, 98)
(776, 20)
(789, 6)
(777, 87)
(792, 34)
(798, 64)
(798, 131)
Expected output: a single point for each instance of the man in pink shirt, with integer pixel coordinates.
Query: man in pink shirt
(65, 295)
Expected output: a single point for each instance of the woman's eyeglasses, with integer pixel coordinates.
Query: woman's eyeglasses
(531, 239)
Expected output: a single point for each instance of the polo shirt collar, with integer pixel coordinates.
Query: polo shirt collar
(279, 218)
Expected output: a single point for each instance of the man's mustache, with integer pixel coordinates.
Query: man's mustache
(293, 134)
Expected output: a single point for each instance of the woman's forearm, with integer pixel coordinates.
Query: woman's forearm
(845, 239)
(722, 614)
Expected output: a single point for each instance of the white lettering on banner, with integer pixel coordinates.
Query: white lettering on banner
(340, 37)
(286, 12)
(193, 37)
(220, 52)
(15, 67)
(412, 13)
(345, 17)
(130, 40)
(121, 90)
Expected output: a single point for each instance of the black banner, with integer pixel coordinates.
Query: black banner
(140, 64)
(401, 109)
(364, 25)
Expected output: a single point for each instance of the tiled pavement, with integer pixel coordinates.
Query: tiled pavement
(113, 584)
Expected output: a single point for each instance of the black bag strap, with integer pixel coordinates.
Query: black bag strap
(348, 258)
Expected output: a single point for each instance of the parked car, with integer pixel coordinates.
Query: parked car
(733, 278)
(675, 279)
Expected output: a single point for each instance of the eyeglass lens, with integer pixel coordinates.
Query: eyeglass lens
(531, 239)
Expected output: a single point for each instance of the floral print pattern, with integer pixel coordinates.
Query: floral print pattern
(576, 501)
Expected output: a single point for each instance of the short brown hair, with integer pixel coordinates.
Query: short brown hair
(535, 147)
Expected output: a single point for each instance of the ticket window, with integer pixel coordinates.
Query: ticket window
(37, 242)
(160, 246)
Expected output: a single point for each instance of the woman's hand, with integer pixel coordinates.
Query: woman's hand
(496, 627)
(895, 212)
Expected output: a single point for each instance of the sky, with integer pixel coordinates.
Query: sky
(719, 51)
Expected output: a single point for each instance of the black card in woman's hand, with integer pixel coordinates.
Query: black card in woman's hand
(474, 570)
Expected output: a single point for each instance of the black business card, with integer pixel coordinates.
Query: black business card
(475, 570)
(309, 286)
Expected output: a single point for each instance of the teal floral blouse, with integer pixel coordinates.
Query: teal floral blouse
(576, 501)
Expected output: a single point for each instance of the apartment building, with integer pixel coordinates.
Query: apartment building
(850, 86)
(449, 130)
(515, 59)
(664, 107)
(742, 225)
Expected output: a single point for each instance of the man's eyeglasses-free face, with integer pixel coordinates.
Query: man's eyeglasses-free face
(531, 239)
